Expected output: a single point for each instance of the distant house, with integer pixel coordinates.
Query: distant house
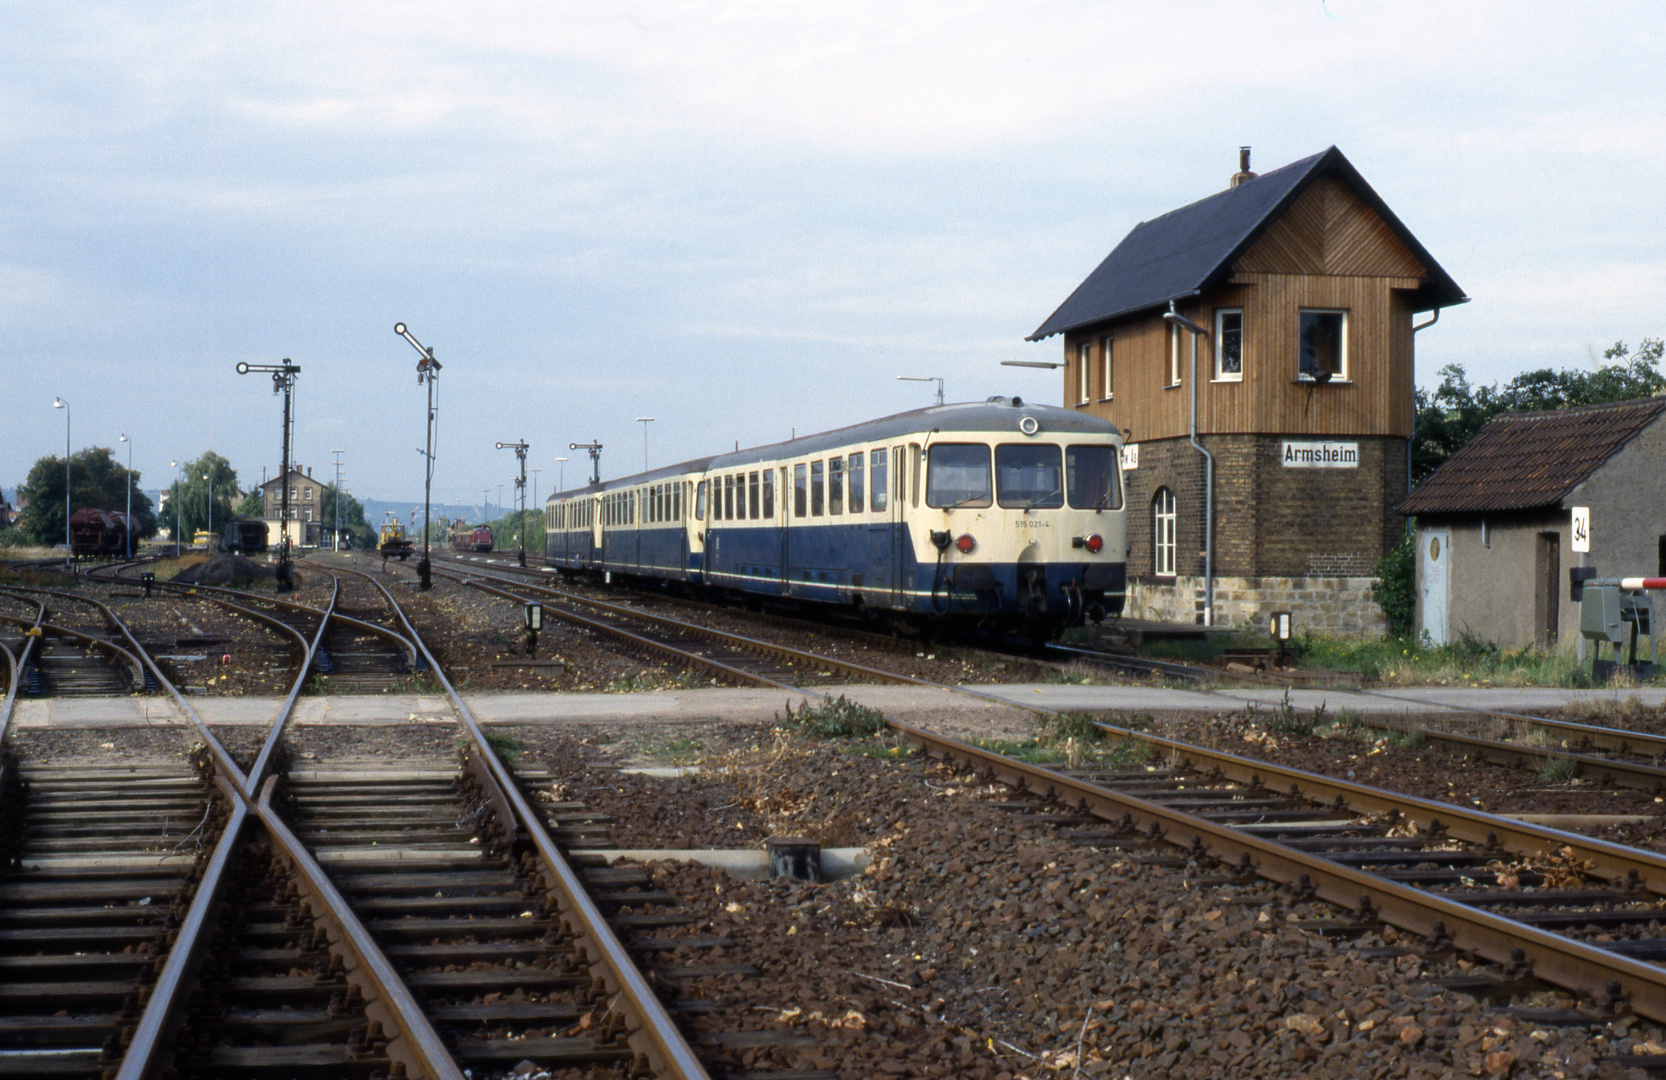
(1305, 287)
(1494, 524)
(305, 505)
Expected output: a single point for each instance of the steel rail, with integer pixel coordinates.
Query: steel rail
(656, 1039)
(723, 637)
(1613, 861)
(17, 665)
(1631, 774)
(1561, 961)
(412, 1040)
(663, 647)
(130, 658)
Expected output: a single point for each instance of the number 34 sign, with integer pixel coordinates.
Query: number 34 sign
(1582, 528)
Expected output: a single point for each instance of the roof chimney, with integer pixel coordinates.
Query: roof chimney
(1243, 172)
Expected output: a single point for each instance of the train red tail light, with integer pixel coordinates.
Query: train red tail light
(1094, 542)
(966, 544)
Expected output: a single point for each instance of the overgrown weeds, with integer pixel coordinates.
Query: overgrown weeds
(839, 718)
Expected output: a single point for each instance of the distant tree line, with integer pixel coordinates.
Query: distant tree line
(1454, 411)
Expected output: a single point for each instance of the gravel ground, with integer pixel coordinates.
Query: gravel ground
(981, 945)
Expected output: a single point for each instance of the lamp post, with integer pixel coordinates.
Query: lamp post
(536, 503)
(561, 477)
(644, 421)
(129, 443)
(520, 449)
(338, 454)
(428, 370)
(485, 504)
(209, 476)
(69, 564)
(925, 378)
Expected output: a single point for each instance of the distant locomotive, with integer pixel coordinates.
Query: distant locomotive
(999, 514)
(393, 542)
(101, 534)
(246, 537)
(464, 538)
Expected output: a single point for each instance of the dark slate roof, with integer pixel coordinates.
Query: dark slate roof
(1191, 249)
(1520, 461)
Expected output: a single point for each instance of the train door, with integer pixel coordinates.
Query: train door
(782, 519)
(898, 504)
(596, 530)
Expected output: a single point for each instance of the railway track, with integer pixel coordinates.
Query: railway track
(369, 999)
(731, 657)
(1548, 907)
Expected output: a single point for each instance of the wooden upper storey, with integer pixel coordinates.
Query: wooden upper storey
(1315, 250)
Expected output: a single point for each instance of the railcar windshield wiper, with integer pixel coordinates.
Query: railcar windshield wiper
(1047, 498)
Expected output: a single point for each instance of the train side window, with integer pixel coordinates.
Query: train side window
(856, 478)
(769, 494)
(836, 485)
(677, 501)
(818, 488)
(752, 496)
(880, 491)
(801, 491)
(728, 498)
(700, 502)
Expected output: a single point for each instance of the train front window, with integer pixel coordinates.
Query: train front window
(1093, 476)
(1027, 476)
(957, 475)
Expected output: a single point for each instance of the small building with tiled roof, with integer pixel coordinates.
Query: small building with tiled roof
(1266, 454)
(1495, 524)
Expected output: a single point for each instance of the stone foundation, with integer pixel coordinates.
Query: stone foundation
(1339, 607)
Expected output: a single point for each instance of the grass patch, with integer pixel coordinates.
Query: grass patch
(504, 746)
(1558, 769)
(1466, 661)
(839, 718)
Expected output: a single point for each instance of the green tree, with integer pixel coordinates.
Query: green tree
(1454, 411)
(188, 498)
(252, 506)
(97, 479)
(352, 516)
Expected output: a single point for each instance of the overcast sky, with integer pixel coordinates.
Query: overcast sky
(738, 218)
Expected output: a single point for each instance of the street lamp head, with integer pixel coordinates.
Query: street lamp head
(644, 419)
(58, 403)
(1031, 363)
(124, 438)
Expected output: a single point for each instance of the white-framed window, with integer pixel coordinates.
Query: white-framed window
(1084, 356)
(1229, 344)
(1162, 535)
(306, 494)
(1174, 354)
(1105, 364)
(1322, 345)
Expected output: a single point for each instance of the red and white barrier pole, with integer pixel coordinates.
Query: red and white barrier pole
(1641, 583)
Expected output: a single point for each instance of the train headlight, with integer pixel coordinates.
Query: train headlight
(966, 544)
(1093, 542)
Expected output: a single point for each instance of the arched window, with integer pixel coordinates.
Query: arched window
(1162, 533)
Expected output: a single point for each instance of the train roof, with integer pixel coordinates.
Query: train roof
(997, 414)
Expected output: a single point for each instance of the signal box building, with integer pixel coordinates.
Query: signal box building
(306, 504)
(1262, 471)
(1496, 529)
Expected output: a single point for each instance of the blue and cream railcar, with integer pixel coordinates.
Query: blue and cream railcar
(997, 512)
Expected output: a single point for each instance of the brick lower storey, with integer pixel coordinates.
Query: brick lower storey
(1326, 606)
